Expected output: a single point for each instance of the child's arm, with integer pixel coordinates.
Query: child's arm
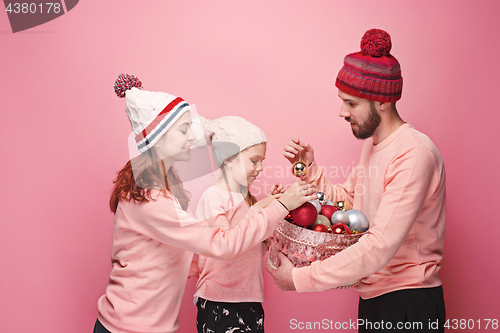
(164, 220)
(274, 193)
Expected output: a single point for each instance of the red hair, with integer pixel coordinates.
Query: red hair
(139, 176)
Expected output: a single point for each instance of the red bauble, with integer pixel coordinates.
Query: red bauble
(328, 210)
(320, 228)
(340, 229)
(305, 215)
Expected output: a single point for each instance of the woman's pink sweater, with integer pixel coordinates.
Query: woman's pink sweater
(151, 257)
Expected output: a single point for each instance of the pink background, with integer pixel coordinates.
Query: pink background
(64, 132)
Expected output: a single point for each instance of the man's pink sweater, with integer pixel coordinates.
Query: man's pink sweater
(399, 184)
(151, 257)
(237, 280)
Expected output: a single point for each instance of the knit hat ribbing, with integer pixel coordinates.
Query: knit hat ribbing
(151, 114)
(373, 73)
(230, 135)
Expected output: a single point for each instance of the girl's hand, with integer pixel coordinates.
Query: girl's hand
(292, 151)
(276, 189)
(266, 201)
(297, 194)
(275, 193)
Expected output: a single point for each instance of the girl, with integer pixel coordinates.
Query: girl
(229, 293)
(153, 233)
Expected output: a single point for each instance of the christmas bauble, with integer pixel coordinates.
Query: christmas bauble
(299, 169)
(321, 197)
(340, 229)
(289, 217)
(321, 219)
(357, 220)
(316, 204)
(305, 215)
(320, 228)
(342, 205)
(328, 211)
(340, 217)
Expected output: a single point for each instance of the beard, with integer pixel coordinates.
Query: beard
(369, 126)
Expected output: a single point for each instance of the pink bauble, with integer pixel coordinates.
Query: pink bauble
(328, 211)
(305, 215)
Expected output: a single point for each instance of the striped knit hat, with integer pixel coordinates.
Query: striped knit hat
(151, 114)
(373, 73)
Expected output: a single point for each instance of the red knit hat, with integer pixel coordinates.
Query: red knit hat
(373, 73)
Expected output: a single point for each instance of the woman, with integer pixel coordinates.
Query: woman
(154, 236)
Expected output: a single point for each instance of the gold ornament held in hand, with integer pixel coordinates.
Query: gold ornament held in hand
(299, 169)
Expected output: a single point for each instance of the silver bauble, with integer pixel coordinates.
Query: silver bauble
(340, 217)
(357, 220)
(316, 204)
(321, 197)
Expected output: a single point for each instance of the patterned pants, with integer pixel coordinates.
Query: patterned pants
(220, 317)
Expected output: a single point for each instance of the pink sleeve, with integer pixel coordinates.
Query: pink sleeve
(316, 176)
(408, 180)
(210, 208)
(164, 221)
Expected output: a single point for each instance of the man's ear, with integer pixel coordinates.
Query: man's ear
(382, 106)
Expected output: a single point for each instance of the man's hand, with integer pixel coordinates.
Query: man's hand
(283, 275)
(292, 151)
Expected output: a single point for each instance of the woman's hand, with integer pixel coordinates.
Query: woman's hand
(297, 194)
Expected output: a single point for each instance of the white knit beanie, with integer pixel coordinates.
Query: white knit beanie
(151, 114)
(230, 135)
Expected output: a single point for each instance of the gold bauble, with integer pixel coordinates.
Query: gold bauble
(299, 169)
(342, 205)
(321, 219)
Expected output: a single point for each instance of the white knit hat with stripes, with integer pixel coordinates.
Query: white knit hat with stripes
(151, 114)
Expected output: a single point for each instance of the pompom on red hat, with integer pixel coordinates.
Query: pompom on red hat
(373, 73)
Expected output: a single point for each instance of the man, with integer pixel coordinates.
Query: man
(399, 184)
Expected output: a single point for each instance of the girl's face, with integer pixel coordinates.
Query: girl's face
(175, 144)
(248, 164)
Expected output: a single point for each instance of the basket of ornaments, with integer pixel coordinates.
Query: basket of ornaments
(317, 230)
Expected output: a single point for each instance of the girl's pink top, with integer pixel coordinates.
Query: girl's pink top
(151, 258)
(399, 184)
(237, 280)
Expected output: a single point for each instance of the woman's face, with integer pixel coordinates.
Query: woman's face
(175, 144)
